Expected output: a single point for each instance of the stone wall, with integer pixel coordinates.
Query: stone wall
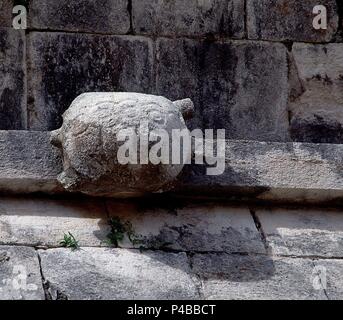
(185, 250)
(256, 68)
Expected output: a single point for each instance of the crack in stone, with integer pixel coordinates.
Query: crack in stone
(130, 10)
(259, 228)
(47, 286)
(45, 283)
(321, 284)
(197, 281)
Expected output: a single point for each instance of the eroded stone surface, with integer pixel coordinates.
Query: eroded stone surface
(292, 20)
(20, 277)
(106, 274)
(256, 277)
(112, 16)
(12, 79)
(65, 65)
(303, 232)
(331, 272)
(6, 13)
(28, 162)
(43, 221)
(91, 147)
(316, 106)
(190, 228)
(191, 18)
(237, 85)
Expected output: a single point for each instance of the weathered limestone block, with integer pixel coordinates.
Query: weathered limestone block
(6, 13)
(256, 277)
(109, 274)
(12, 79)
(111, 16)
(189, 18)
(316, 105)
(237, 85)
(201, 227)
(43, 221)
(286, 172)
(282, 20)
(271, 171)
(89, 142)
(15, 264)
(62, 66)
(303, 232)
(28, 162)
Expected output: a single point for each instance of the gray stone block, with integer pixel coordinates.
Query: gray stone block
(109, 16)
(189, 227)
(286, 172)
(316, 107)
(235, 277)
(28, 162)
(44, 221)
(12, 79)
(107, 274)
(289, 20)
(20, 277)
(62, 66)
(237, 85)
(310, 173)
(6, 13)
(303, 232)
(189, 18)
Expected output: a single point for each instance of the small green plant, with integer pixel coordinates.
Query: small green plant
(69, 241)
(118, 231)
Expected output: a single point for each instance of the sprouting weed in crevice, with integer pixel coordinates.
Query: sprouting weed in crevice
(69, 241)
(118, 231)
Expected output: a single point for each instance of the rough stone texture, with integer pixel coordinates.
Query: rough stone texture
(292, 172)
(237, 85)
(281, 20)
(88, 139)
(189, 18)
(62, 66)
(112, 16)
(106, 274)
(189, 228)
(317, 97)
(333, 270)
(303, 232)
(28, 162)
(6, 13)
(256, 277)
(12, 80)
(288, 172)
(43, 222)
(20, 277)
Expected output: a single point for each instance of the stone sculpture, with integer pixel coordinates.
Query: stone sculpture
(89, 145)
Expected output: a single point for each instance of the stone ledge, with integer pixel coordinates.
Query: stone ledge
(268, 171)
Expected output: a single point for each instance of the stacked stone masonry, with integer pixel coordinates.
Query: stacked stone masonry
(186, 251)
(255, 68)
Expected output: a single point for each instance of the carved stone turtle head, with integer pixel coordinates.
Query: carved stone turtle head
(89, 144)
